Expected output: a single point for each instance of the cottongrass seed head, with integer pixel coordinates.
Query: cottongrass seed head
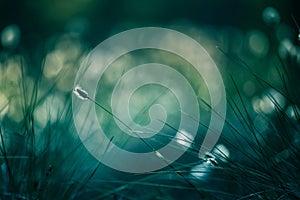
(80, 93)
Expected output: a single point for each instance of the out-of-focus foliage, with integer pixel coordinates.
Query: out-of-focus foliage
(255, 45)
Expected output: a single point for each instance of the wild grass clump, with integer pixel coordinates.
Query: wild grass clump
(41, 156)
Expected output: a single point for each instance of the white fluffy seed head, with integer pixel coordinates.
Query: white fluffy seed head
(80, 93)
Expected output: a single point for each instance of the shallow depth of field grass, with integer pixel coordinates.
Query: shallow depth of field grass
(257, 155)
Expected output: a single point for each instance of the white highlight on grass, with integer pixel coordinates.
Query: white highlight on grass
(288, 49)
(266, 105)
(159, 155)
(184, 138)
(256, 104)
(221, 152)
(293, 112)
(200, 171)
(285, 48)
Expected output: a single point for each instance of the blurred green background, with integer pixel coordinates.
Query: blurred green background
(56, 36)
(44, 42)
(39, 20)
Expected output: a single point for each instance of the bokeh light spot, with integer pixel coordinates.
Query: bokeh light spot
(10, 36)
(53, 64)
(15, 110)
(271, 16)
(13, 71)
(4, 105)
(271, 101)
(258, 43)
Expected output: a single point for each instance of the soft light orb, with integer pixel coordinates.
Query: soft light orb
(271, 16)
(10, 36)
